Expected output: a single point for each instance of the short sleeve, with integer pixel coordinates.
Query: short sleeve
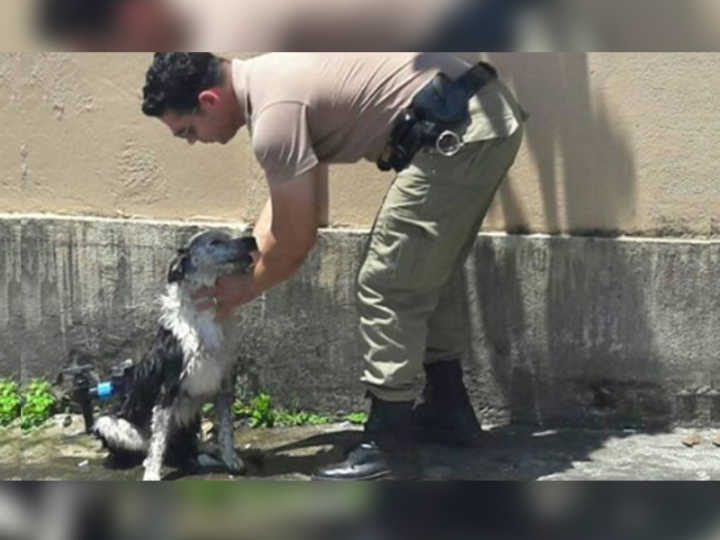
(281, 141)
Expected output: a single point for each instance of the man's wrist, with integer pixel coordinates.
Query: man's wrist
(262, 278)
(270, 271)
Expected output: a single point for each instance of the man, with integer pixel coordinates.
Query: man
(305, 111)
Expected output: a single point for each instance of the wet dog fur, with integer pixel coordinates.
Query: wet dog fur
(191, 362)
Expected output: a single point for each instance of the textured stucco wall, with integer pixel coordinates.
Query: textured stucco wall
(616, 142)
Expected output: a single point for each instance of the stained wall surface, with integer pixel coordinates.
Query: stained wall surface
(558, 330)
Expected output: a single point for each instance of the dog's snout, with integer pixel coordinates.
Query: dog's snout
(247, 250)
(250, 243)
(245, 245)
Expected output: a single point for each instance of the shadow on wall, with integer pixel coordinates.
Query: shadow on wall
(559, 333)
(559, 327)
(584, 161)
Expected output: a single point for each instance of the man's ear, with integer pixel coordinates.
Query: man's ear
(208, 98)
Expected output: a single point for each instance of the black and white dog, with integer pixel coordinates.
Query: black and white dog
(191, 362)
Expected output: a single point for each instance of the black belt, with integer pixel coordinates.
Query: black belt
(436, 110)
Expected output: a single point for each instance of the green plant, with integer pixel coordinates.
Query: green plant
(9, 401)
(37, 404)
(261, 411)
(241, 410)
(300, 418)
(356, 417)
(207, 409)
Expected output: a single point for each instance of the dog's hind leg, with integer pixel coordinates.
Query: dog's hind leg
(223, 406)
(159, 430)
(182, 452)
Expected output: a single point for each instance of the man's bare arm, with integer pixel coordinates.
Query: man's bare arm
(285, 232)
(321, 202)
(287, 226)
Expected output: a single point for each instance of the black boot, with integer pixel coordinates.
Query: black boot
(444, 414)
(387, 450)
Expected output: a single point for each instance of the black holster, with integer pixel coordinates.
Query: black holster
(436, 110)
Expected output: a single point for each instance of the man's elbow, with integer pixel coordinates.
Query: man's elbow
(300, 249)
(305, 245)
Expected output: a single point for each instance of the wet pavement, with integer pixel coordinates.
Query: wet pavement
(64, 452)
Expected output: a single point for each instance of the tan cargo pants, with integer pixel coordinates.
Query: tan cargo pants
(423, 232)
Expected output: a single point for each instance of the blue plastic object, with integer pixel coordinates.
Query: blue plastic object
(105, 390)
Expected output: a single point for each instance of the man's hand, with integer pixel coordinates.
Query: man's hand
(285, 232)
(230, 291)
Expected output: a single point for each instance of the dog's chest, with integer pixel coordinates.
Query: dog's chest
(207, 353)
(205, 371)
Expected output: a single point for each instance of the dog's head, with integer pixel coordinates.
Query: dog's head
(210, 254)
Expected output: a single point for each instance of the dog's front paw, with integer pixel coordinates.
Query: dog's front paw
(151, 476)
(152, 470)
(234, 464)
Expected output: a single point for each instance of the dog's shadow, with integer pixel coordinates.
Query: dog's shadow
(507, 453)
(514, 452)
(292, 460)
(304, 456)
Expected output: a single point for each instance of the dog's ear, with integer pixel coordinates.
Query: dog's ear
(177, 267)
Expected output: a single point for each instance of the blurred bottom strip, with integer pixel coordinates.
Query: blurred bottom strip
(418, 511)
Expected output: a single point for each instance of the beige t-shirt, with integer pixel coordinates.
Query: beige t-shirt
(307, 108)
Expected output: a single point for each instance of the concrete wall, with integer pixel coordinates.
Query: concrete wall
(616, 143)
(559, 329)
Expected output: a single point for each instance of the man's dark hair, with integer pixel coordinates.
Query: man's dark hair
(175, 79)
(62, 18)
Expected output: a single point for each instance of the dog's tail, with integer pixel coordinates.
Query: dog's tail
(120, 435)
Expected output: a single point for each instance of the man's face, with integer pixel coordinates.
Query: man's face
(207, 125)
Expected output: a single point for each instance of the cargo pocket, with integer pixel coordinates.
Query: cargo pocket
(410, 250)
